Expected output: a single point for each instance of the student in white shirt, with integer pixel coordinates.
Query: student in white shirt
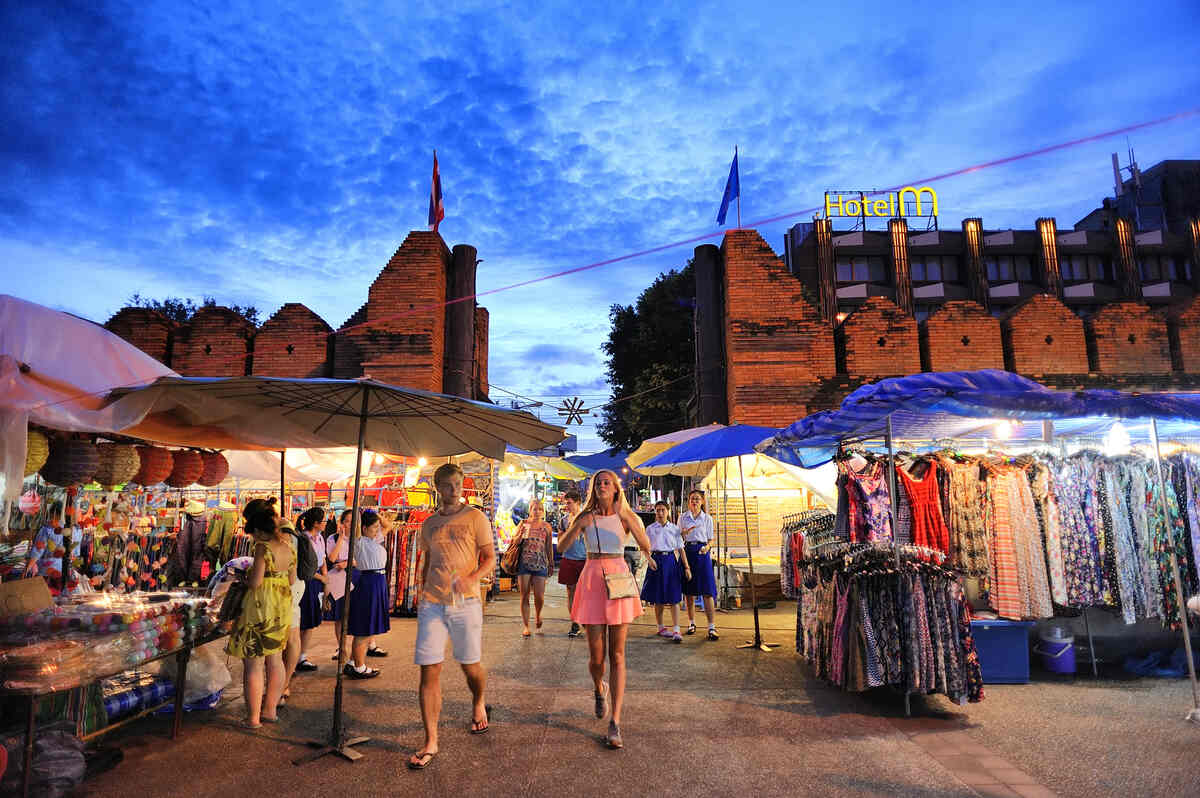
(664, 584)
(697, 528)
(368, 615)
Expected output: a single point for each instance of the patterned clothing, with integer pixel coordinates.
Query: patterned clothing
(872, 502)
(967, 522)
(928, 526)
(266, 615)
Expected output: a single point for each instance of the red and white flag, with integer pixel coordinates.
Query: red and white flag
(437, 211)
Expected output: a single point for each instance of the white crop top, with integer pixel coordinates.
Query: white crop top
(608, 531)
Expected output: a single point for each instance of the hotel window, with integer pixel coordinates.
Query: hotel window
(861, 269)
(1154, 268)
(935, 269)
(1008, 268)
(1076, 268)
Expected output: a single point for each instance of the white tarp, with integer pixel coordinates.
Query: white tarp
(300, 466)
(768, 475)
(55, 370)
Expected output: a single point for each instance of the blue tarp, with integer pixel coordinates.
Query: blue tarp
(969, 404)
(612, 459)
(722, 442)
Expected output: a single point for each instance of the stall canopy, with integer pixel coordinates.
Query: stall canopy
(654, 446)
(988, 404)
(275, 413)
(300, 466)
(613, 459)
(557, 467)
(55, 370)
(697, 456)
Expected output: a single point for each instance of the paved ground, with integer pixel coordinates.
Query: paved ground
(701, 719)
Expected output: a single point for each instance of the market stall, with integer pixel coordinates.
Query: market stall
(998, 479)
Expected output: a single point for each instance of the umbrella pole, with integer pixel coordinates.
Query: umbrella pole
(1194, 713)
(757, 642)
(338, 742)
(283, 508)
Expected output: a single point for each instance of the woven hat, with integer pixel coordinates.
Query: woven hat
(216, 468)
(37, 450)
(71, 462)
(156, 465)
(193, 507)
(119, 463)
(188, 467)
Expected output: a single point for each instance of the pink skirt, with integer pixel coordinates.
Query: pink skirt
(592, 604)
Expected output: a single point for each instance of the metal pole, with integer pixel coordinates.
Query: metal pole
(1087, 629)
(283, 508)
(895, 539)
(758, 641)
(1193, 714)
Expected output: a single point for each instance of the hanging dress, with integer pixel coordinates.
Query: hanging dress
(928, 527)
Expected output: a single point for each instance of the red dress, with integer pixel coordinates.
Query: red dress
(928, 527)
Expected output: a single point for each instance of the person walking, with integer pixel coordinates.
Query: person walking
(664, 583)
(697, 528)
(260, 632)
(368, 615)
(537, 562)
(457, 541)
(311, 524)
(604, 523)
(573, 556)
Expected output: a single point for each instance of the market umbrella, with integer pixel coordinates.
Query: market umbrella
(273, 413)
(707, 450)
(651, 447)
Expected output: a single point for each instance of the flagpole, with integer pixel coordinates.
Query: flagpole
(739, 194)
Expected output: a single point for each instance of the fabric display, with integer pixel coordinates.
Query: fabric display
(865, 623)
(798, 527)
(404, 562)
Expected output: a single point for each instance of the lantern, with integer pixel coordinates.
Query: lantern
(216, 468)
(156, 465)
(188, 468)
(119, 463)
(37, 450)
(71, 462)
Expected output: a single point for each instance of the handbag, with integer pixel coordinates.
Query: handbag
(619, 585)
(510, 563)
(235, 597)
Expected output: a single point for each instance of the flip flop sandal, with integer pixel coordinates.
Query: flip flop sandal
(487, 721)
(426, 756)
(265, 719)
(602, 701)
(245, 724)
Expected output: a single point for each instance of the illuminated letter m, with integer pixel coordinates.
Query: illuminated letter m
(916, 193)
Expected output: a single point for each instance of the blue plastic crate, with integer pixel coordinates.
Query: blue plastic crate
(1003, 648)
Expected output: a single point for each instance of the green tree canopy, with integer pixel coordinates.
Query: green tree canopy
(181, 310)
(651, 355)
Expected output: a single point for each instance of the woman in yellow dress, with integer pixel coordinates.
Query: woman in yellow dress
(261, 632)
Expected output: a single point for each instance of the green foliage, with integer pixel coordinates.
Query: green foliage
(181, 310)
(651, 349)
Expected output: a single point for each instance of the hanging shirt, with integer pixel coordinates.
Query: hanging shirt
(664, 537)
(696, 528)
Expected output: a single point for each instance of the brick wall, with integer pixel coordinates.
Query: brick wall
(1043, 336)
(147, 329)
(776, 345)
(1183, 328)
(961, 336)
(482, 320)
(880, 340)
(292, 343)
(1129, 338)
(214, 343)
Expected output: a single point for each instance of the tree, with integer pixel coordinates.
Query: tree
(181, 310)
(651, 353)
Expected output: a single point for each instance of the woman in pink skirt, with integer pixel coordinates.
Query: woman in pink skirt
(605, 522)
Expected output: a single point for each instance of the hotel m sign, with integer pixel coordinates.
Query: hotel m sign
(905, 202)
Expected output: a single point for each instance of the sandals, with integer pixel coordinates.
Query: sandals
(525, 633)
(476, 728)
(246, 724)
(265, 719)
(539, 627)
(422, 758)
(602, 701)
(691, 629)
(613, 740)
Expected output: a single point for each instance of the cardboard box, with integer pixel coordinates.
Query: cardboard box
(23, 596)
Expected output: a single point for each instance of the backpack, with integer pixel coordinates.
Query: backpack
(307, 563)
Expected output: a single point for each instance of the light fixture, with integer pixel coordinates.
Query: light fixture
(1117, 441)
(512, 469)
(421, 462)
(378, 459)
(1005, 429)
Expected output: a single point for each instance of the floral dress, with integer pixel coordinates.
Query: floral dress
(266, 615)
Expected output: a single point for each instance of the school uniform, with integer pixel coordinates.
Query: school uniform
(664, 584)
(368, 605)
(310, 602)
(336, 548)
(700, 534)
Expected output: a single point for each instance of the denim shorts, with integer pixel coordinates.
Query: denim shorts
(462, 625)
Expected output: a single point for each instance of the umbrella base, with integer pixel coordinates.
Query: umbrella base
(760, 645)
(345, 750)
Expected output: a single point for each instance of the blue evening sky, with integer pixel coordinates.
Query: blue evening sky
(263, 153)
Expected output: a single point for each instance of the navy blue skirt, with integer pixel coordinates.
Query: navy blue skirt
(663, 584)
(368, 606)
(702, 583)
(310, 604)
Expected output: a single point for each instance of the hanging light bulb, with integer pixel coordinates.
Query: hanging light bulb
(1116, 440)
(378, 459)
(421, 461)
(1005, 429)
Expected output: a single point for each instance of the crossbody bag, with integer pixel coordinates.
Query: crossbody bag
(619, 585)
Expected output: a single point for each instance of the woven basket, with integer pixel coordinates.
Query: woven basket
(71, 462)
(188, 468)
(156, 465)
(119, 463)
(37, 450)
(216, 468)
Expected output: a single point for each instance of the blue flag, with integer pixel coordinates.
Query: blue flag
(731, 189)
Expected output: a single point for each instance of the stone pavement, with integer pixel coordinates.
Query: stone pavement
(701, 718)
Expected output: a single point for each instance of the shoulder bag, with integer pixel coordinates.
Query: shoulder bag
(510, 563)
(618, 585)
